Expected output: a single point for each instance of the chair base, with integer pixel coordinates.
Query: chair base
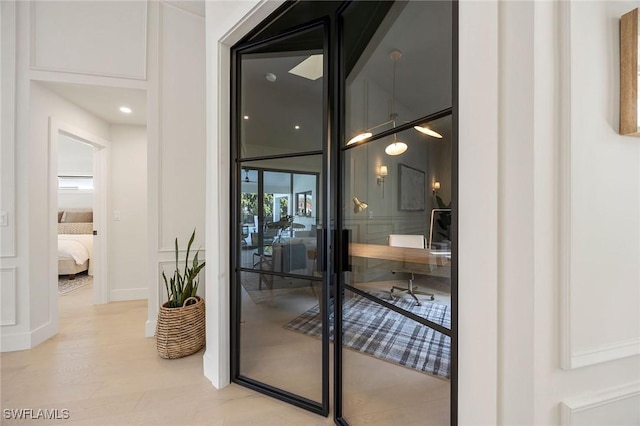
(411, 289)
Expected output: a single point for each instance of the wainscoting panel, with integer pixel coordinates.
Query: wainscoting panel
(113, 42)
(182, 130)
(8, 147)
(8, 296)
(594, 256)
(620, 406)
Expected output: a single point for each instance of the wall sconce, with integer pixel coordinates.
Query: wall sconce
(382, 172)
(435, 187)
(629, 101)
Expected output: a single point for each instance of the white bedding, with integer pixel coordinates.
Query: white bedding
(79, 247)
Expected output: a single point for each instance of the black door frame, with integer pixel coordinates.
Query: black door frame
(237, 163)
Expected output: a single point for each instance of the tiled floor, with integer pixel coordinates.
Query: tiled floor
(101, 369)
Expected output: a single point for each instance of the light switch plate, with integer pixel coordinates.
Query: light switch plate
(4, 219)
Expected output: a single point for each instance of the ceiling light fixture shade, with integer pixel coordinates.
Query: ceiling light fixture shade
(359, 137)
(396, 148)
(428, 131)
(358, 205)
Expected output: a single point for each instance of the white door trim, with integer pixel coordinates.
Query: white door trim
(243, 18)
(100, 178)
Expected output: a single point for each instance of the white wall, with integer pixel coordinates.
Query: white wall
(152, 46)
(598, 220)
(176, 134)
(8, 134)
(569, 283)
(127, 213)
(113, 40)
(605, 192)
(75, 158)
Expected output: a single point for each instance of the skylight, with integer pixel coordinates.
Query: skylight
(310, 68)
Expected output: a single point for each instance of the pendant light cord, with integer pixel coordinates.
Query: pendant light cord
(395, 55)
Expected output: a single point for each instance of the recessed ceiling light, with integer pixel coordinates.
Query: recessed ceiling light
(310, 68)
(246, 117)
(297, 127)
(125, 110)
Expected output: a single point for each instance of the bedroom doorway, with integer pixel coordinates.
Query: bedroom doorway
(78, 177)
(113, 122)
(75, 214)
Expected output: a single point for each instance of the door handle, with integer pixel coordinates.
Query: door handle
(344, 261)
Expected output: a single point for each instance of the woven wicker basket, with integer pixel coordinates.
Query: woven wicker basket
(180, 331)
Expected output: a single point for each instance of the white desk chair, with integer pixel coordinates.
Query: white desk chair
(408, 241)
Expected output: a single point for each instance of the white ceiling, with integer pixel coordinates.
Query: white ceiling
(104, 102)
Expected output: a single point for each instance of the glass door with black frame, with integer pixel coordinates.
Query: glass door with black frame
(394, 310)
(280, 338)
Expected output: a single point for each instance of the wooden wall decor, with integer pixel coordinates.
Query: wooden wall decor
(629, 124)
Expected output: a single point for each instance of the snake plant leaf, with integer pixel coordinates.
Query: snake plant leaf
(184, 283)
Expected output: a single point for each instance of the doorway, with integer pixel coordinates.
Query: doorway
(362, 96)
(78, 226)
(75, 176)
(113, 122)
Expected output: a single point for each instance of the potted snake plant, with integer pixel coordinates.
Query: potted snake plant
(180, 330)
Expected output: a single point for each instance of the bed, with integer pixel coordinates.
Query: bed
(75, 243)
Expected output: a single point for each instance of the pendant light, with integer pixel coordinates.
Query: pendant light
(396, 147)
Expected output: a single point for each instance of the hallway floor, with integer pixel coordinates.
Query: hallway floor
(101, 369)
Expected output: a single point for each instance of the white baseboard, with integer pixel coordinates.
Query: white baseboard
(15, 342)
(128, 294)
(150, 328)
(606, 353)
(27, 340)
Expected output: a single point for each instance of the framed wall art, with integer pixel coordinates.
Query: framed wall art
(411, 190)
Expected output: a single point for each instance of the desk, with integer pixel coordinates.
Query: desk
(400, 254)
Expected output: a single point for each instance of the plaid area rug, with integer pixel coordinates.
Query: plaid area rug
(66, 286)
(375, 330)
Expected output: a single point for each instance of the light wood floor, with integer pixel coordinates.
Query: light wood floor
(101, 369)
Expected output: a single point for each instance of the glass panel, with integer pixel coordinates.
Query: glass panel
(280, 236)
(280, 242)
(400, 224)
(411, 364)
(273, 347)
(281, 89)
(398, 63)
